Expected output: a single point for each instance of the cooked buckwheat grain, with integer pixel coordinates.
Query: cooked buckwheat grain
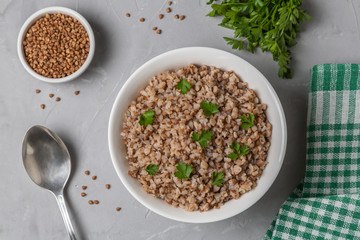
(168, 140)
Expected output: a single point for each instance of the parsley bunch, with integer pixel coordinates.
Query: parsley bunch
(271, 25)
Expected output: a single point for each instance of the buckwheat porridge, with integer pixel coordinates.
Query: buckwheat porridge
(197, 137)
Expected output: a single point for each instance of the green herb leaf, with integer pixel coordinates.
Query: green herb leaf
(217, 179)
(247, 122)
(184, 170)
(243, 150)
(203, 139)
(238, 151)
(147, 118)
(195, 136)
(233, 156)
(235, 146)
(269, 25)
(152, 169)
(184, 86)
(209, 108)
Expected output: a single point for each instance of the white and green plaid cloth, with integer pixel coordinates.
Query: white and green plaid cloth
(327, 204)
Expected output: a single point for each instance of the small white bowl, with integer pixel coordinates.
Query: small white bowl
(201, 56)
(41, 13)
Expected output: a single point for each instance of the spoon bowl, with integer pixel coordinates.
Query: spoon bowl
(47, 162)
(46, 159)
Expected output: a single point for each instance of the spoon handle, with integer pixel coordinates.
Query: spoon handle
(61, 202)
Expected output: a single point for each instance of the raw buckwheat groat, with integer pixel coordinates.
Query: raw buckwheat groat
(56, 45)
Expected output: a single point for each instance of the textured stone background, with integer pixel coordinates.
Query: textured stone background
(122, 45)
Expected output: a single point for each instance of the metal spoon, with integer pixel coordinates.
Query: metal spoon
(47, 161)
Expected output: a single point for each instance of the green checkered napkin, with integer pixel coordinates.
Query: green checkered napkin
(327, 204)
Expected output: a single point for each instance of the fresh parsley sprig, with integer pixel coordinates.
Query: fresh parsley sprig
(203, 139)
(184, 86)
(209, 108)
(247, 122)
(147, 118)
(217, 179)
(152, 169)
(238, 151)
(183, 170)
(269, 25)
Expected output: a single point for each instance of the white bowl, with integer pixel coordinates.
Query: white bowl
(41, 13)
(201, 56)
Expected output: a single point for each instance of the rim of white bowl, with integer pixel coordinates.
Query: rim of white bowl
(123, 177)
(41, 13)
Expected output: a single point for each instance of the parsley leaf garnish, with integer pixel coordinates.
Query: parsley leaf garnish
(184, 86)
(271, 26)
(152, 169)
(247, 122)
(209, 108)
(184, 170)
(238, 151)
(203, 139)
(147, 118)
(217, 179)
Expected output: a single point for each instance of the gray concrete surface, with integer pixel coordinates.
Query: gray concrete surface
(122, 45)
